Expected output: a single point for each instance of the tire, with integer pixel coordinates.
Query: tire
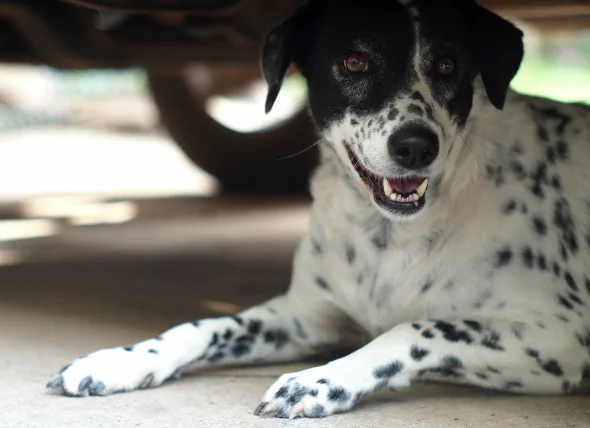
(242, 162)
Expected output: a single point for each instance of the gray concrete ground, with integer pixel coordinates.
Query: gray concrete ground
(84, 288)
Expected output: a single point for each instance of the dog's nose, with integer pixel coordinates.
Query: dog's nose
(414, 147)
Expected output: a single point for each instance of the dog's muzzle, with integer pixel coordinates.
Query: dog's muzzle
(402, 196)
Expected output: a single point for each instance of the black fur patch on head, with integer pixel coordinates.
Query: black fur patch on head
(322, 34)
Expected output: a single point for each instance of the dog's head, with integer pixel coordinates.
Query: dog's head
(391, 83)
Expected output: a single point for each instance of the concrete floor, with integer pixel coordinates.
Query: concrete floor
(89, 287)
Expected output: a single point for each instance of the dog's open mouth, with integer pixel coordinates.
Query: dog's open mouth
(403, 196)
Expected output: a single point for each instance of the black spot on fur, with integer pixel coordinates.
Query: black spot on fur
(323, 381)
(228, 334)
(428, 334)
(542, 134)
(426, 287)
(417, 96)
(562, 150)
(322, 283)
(282, 392)
(540, 226)
(539, 179)
(517, 330)
(528, 257)
(494, 370)
(254, 327)
(128, 348)
(450, 366)
(354, 122)
(317, 411)
(418, 354)
(339, 395)
(533, 353)
(563, 220)
(196, 323)
(552, 367)
(562, 318)
(299, 329)
(415, 109)
(474, 325)
(350, 254)
(542, 262)
(556, 183)
(587, 281)
(518, 170)
(153, 351)
(565, 303)
(281, 339)
(240, 349)
(388, 370)
(393, 113)
(551, 156)
(482, 376)
(238, 320)
(509, 207)
(416, 326)
(269, 336)
(451, 333)
(317, 248)
(503, 257)
(570, 281)
(492, 341)
(557, 270)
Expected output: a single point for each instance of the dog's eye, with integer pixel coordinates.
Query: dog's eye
(445, 66)
(356, 63)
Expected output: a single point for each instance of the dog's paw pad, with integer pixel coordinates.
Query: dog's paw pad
(304, 395)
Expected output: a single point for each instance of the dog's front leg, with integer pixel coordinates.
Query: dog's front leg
(495, 354)
(277, 331)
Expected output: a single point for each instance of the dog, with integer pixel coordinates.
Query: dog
(449, 236)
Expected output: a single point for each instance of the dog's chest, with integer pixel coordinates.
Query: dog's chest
(381, 282)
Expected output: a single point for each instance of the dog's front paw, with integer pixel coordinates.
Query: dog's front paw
(312, 393)
(110, 371)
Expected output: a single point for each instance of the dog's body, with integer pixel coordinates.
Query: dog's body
(486, 283)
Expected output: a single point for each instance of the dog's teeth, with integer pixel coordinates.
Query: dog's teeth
(393, 196)
(387, 187)
(421, 190)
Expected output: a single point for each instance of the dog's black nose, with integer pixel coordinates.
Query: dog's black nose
(414, 147)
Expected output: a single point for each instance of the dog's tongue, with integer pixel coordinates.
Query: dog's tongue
(405, 186)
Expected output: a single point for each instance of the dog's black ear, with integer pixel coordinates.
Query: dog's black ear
(497, 50)
(285, 44)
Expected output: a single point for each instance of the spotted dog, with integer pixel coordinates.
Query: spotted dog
(450, 230)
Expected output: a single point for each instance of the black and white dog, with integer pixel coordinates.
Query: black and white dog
(450, 233)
